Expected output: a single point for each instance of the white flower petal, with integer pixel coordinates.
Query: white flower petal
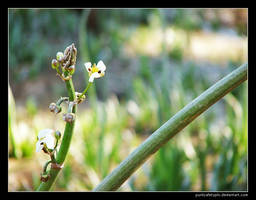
(49, 141)
(39, 147)
(91, 79)
(88, 66)
(94, 75)
(101, 66)
(45, 133)
(102, 74)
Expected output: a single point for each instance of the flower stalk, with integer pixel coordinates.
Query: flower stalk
(46, 165)
(47, 142)
(84, 92)
(64, 147)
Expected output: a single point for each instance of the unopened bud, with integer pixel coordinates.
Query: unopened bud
(55, 64)
(52, 107)
(69, 117)
(55, 108)
(44, 177)
(59, 56)
(71, 69)
(78, 96)
(57, 135)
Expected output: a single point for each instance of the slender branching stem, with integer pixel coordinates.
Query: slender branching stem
(62, 153)
(85, 90)
(46, 165)
(70, 106)
(61, 100)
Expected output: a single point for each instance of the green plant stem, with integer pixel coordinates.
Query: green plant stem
(58, 71)
(62, 153)
(170, 128)
(70, 106)
(85, 90)
(61, 100)
(46, 165)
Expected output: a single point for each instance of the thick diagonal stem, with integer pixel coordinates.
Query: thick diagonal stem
(169, 129)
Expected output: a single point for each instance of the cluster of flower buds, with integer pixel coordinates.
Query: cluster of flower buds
(68, 117)
(66, 61)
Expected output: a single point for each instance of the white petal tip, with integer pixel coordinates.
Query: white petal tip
(87, 64)
(101, 66)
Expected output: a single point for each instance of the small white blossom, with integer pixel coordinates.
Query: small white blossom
(96, 71)
(59, 56)
(45, 137)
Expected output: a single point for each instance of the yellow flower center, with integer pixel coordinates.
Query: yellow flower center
(94, 69)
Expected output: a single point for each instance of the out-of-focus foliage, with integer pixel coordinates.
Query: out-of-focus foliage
(158, 60)
(33, 35)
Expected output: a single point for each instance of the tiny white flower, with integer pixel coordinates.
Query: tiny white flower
(46, 137)
(96, 71)
(59, 56)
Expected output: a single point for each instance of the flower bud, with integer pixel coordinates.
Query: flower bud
(69, 117)
(45, 177)
(52, 107)
(81, 99)
(57, 135)
(59, 56)
(71, 69)
(55, 64)
(55, 108)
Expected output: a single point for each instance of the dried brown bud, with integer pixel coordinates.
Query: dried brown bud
(56, 166)
(52, 106)
(69, 117)
(45, 177)
(81, 99)
(55, 108)
(69, 58)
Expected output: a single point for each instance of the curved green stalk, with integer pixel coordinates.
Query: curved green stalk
(169, 129)
(85, 90)
(62, 153)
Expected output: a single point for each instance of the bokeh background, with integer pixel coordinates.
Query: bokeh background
(158, 60)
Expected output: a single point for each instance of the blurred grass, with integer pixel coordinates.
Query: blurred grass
(139, 92)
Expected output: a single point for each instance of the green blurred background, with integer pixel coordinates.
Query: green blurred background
(158, 60)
